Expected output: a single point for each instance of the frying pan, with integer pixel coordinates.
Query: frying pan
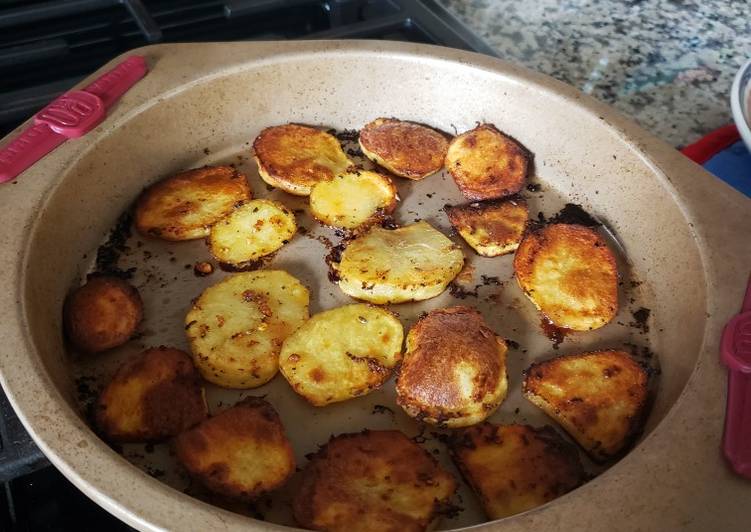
(684, 236)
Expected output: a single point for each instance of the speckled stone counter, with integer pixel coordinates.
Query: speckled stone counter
(668, 65)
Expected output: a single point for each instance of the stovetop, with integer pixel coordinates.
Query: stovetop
(48, 46)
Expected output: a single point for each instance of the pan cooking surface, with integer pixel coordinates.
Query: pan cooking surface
(164, 274)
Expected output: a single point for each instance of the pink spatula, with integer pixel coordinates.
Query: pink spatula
(736, 354)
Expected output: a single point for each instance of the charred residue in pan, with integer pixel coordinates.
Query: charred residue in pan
(108, 254)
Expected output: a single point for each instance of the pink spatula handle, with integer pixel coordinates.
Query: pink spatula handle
(737, 438)
(31, 145)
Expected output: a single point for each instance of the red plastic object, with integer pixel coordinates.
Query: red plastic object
(708, 146)
(71, 115)
(736, 354)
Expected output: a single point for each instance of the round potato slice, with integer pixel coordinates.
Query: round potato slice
(486, 164)
(570, 274)
(353, 199)
(412, 263)
(375, 481)
(294, 158)
(491, 228)
(241, 452)
(342, 353)
(186, 205)
(236, 327)
(102, 314)
(454, 370)
(404, 148)
(514, 468)
(156, 395)
(254, 229)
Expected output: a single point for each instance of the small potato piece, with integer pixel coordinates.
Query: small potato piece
(236, 327)
(486, 164)
(294, 158)
(570, 274)
(404, 148)
(491, 228)
(514, 468)
(375, 481)
(599, 398)
(252, 230)
(454, 370)
(241, 452)
(102, 314)
(186, 205)
(353, 199)
(412, 263)
(156, 395)
(342, 353)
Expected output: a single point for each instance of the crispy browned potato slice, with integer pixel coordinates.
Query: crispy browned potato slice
(492, 228)
(237, 326)
(186, 205)
(251, 231)
(454, 370)
(514, 468)
(156, 395)
(102, 314)
(404, 148)
(411, 263)
(342, 353)
(241, 452)
(599, 398)
(294, 157)
(379, 481)
(570, 274)
(486, 164)
(354, 199)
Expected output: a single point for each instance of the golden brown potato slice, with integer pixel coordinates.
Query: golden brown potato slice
(412, 263)
(254, 229)
(404, 148)
(102, 314)
(599, 398)
(375, 481)
(156, 395)
(241, 452)
(491, 228)
(486, 164)
(353, 199)
(514, 468)
(236, 327)
(454, 370)
(342, 353)
(186, 205)
(570, 274)
(294, 157)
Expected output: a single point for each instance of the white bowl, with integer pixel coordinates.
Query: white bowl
(739, 102)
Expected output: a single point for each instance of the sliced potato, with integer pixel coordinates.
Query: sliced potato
(404, 148)
(599, 398)
(353, 199)
(294, 157)
(486, 164)
(412, 263)
(236, 327)
(102, 314)
(241, 452)
(186, 205)
(491, 228)
(375, 481)
(342, 353)
(454, 370)
(254, 229)
(514, 468)
(156, 395)
(570, 274)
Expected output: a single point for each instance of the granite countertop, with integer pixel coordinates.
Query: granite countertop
(667, 64)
